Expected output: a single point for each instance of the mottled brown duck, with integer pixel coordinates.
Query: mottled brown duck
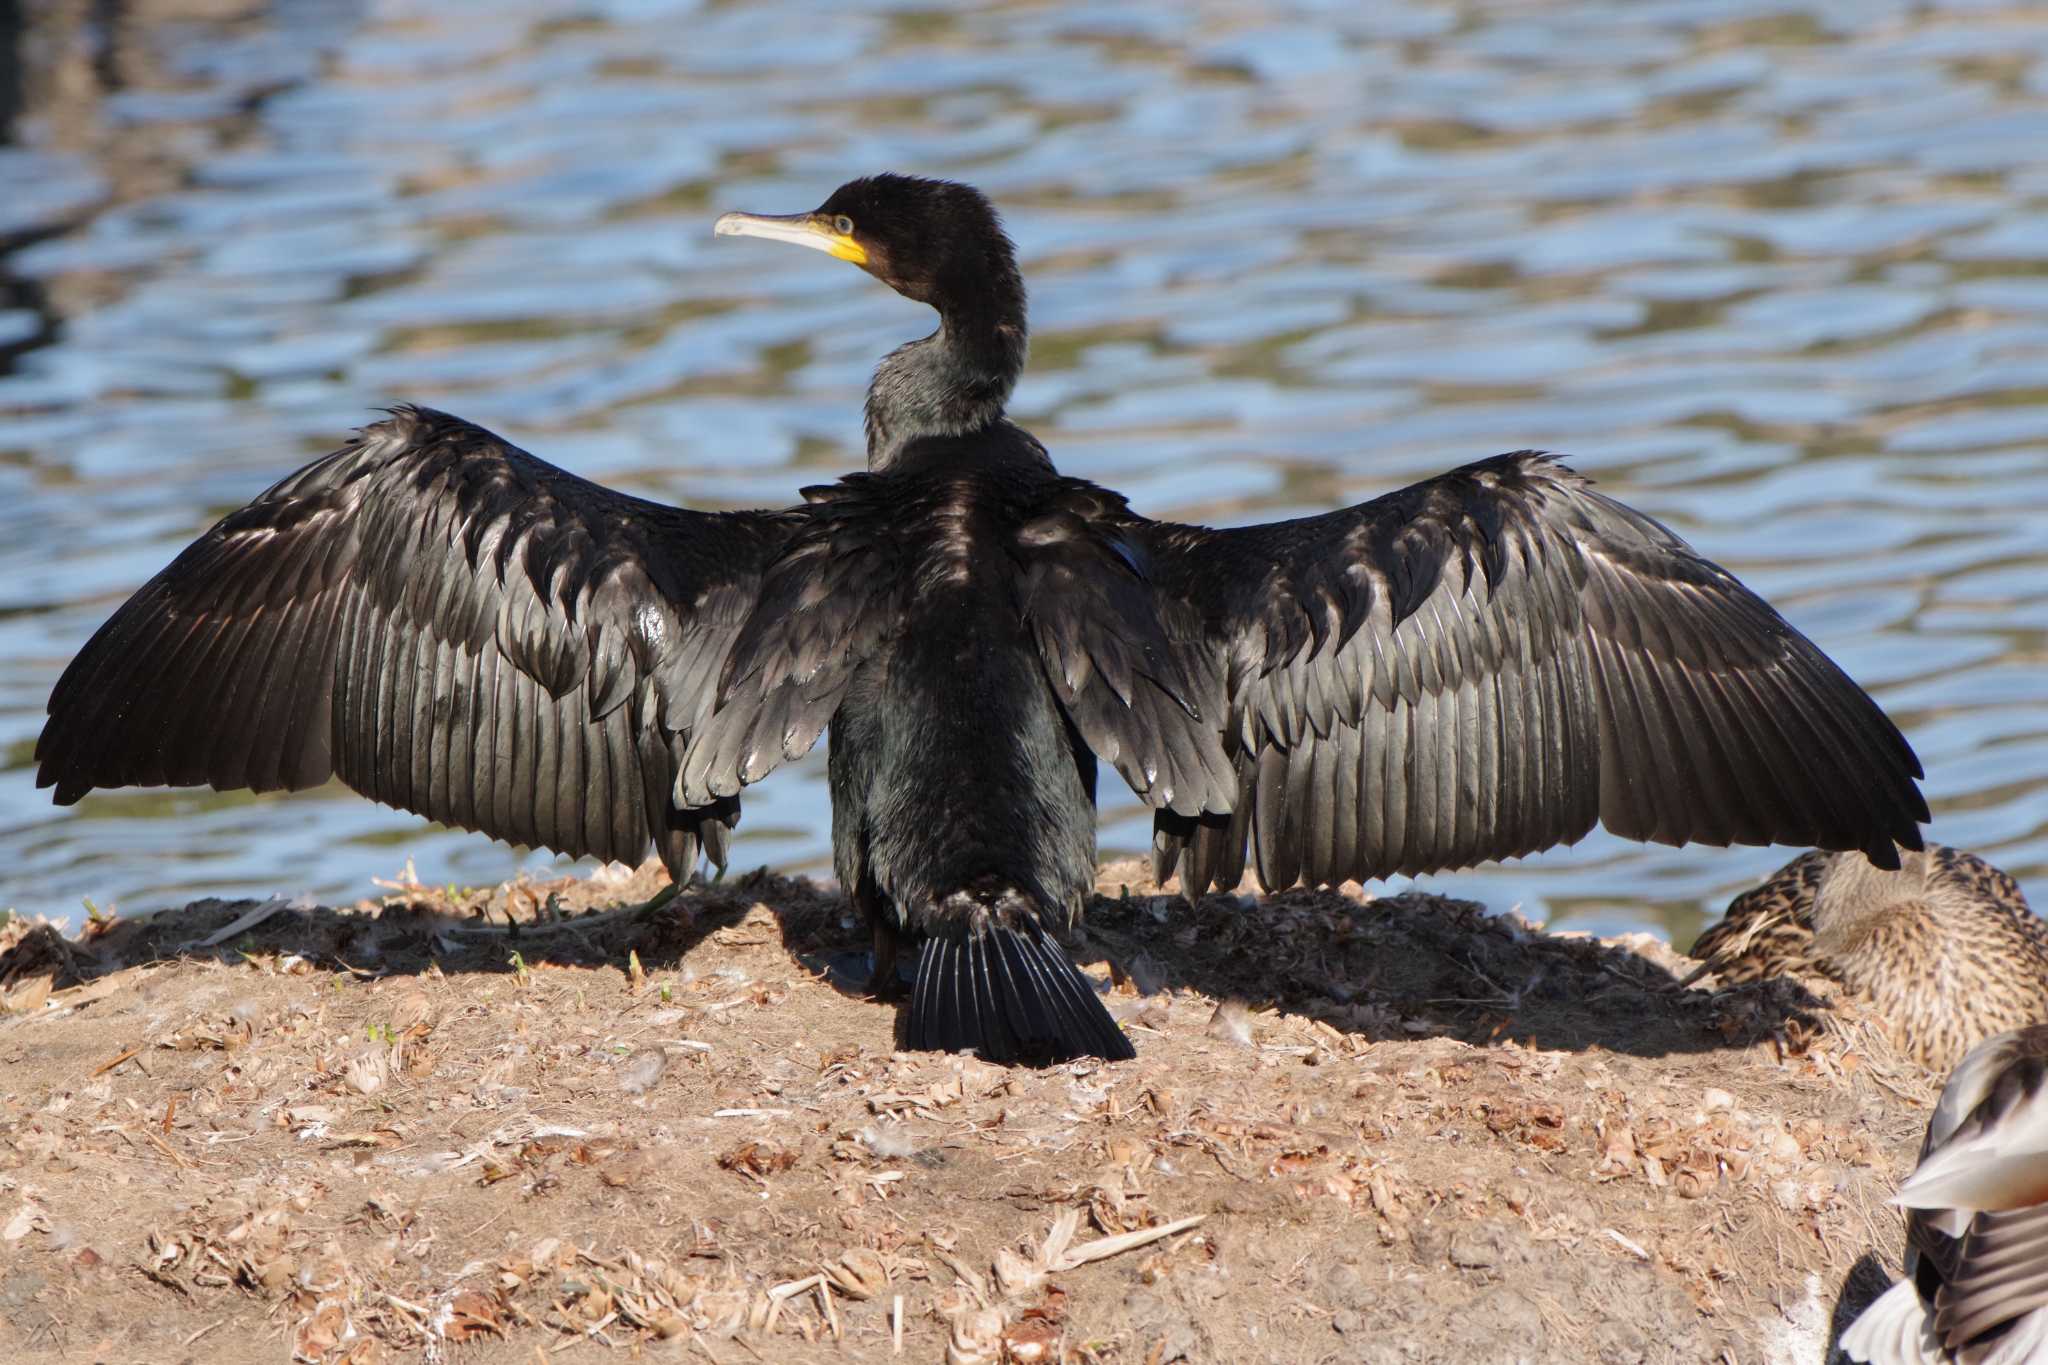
(1976, 1284)
(1946, 945)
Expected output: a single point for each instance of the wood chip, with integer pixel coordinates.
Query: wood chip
(1626, 1245)
(831, 1312)
(26, 996)
(1105, 1247)
(794, 1287)
(104, 1067)
(99, 988)
(167, 1150)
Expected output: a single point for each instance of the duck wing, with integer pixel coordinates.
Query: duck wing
(1977, 1202)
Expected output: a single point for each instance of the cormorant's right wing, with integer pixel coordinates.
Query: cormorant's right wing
(447, 624)
(1483, 665)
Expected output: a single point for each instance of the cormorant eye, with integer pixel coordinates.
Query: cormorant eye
(843, 225)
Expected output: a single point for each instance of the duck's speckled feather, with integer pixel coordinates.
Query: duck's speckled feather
(1946, 946)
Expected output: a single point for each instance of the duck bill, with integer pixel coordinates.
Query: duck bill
(799, 229)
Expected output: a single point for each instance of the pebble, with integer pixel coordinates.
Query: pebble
(1430, 1243)
(1474, 1249)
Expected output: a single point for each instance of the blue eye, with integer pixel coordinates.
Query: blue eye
(843, 225)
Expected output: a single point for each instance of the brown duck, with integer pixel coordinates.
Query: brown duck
(1976, 1285)
(1946, 945)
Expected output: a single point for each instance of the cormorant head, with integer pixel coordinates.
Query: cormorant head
(936, 241)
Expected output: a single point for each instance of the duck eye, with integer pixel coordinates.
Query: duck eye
(843, 225)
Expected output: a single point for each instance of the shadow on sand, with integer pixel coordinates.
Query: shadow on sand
(1407, 966)
(1861, 1286)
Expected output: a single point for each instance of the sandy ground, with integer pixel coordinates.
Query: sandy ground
(517, 1125)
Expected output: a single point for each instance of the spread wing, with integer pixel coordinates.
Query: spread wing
(1483, 665)
(447, 624)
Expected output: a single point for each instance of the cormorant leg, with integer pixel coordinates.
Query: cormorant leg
(882, 983)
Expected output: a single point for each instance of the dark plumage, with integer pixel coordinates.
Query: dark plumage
(1976, 1285)
(1945, 944)
(1478, 666)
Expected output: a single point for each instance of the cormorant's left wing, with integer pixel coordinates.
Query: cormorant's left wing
(1483, 665)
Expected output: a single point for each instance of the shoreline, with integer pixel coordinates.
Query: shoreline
(1407, 1129)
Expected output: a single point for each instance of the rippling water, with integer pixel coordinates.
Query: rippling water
(1776, 272)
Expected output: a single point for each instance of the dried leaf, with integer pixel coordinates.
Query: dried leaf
(1031, 1341)
(758, 1159)
(976, 1338)
(468, 1315)
(859, 1274)
(26, 995)
(30, 1217)
(321, 1332)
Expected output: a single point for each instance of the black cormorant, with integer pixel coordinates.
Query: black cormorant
(1478, 666)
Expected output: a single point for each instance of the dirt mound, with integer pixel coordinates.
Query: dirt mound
(529, 1120)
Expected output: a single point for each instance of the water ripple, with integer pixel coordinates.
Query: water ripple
(1777, 272)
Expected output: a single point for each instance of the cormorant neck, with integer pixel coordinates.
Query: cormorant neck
(954, 381)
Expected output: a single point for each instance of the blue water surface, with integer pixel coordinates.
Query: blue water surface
(1775, 271)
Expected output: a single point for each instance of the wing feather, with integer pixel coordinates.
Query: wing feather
(445, 623)
(1107, 641)
(1487, 664)
(2001, 1275)
(827, 603)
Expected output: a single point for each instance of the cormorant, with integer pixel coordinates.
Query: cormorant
(1478, 666)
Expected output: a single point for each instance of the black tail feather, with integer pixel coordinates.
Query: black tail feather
(1008, 992)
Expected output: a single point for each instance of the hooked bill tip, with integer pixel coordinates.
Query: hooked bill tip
(798, 229)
